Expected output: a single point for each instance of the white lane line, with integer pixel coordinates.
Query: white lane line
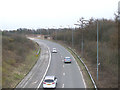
(63, 66)
(35, 82)
(46, 69)
(63, 86)
(80, 72)
(79, 69)
(62, 60)
(61, 56)
(63, 74)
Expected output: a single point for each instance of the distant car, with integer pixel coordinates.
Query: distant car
(50, 82)
(54, 50)
(67, 60)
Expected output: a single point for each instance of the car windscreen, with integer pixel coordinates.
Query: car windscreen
(48, 80)
(67, 58)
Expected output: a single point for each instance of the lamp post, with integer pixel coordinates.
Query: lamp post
(55, 32)
(97, 48)
(72, 37)
(81, 23)
(63, 32)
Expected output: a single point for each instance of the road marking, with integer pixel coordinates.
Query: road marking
(61, 56)
(63, 86)
(35, 82)
(62, 60)
(46, 69)
(63, 74)
(79, 69)
(63, 66)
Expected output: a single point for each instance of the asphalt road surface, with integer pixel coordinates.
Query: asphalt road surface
(68, 74)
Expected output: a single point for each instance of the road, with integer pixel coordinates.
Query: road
(68, 75)
(34, 77)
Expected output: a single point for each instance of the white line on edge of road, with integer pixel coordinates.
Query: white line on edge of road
(79, 69)
(46, 69)
(63, 86)
(30, 75)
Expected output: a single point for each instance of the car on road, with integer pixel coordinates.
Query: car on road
(50, 82)
(67, 60)
(54, 50)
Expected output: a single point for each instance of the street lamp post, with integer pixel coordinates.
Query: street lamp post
(82, 40)
(55, 32)
(82, 21)
(64, 35)
(63, 32)
(97, 48)
(72, 39)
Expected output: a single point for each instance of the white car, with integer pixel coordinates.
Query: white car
(54, 50)
(50, 82)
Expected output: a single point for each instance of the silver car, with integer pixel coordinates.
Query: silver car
(50, 82)
(67, 60)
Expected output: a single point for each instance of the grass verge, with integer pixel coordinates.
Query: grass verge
(21, 69)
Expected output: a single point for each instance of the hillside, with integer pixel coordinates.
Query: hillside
(18, 57)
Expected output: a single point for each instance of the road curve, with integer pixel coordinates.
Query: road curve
(35, 76)
(68, 75)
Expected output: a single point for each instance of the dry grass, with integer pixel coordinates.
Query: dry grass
(19, 56)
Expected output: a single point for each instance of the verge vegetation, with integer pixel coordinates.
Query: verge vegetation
(19, 56)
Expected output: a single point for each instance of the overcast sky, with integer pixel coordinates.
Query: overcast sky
(35, 14)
